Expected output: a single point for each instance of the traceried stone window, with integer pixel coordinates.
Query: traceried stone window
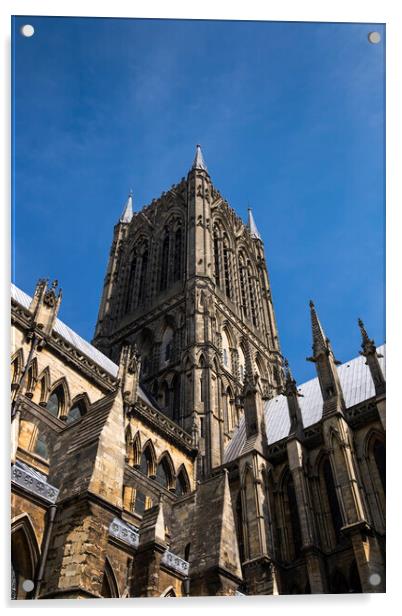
(167, 346)
(251, 293)
(227, 267)
(131, 283)
(242, 364)
(243, 285)
(217, 273)
(55, 403)
(164, 264)
(76, 412)
(178, 252)
(226, 351)
(334, 508)
(41, 447)
(143, 278)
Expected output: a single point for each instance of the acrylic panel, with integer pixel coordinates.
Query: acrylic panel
(197, 207)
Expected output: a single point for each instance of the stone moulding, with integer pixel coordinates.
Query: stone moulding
(125, 532)
(29, 482)
(129, 535)
(175, 562)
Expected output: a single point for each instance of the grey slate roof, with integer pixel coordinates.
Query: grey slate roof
(75, 340)
(357, 386)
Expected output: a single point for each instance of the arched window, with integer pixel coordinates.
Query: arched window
(239, 526)
(164, 264)
(178, 251)
(226, 357)
(243, 286)
(242, 364)
(76, 412)
(334, 509)
(167, 346)
(147, 464)
(24, 557)
(109, 585)
(41, 446)
(140, 502)
(164, 473)
(294, 516)
(131, 283)
(250, 280)
(56, 402)
(217, 272)
(202, 379)
(380, 460)
(227, 267)
(182, 484)
(143, 278)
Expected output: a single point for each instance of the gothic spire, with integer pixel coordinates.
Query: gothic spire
(320, 341)
(128, 209)
(370, 353)
(325, 363)
(252, 226)
(291, 392)
(199, 162)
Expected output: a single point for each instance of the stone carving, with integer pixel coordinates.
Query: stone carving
(175, 562)
(31, 483)
(125, 532)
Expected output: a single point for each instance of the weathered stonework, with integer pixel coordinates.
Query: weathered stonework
(176, 456)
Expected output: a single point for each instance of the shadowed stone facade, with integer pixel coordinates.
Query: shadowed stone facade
(175, 455)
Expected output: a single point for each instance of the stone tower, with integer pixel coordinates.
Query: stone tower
(187, 284)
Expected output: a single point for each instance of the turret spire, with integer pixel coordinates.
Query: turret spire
(325, 362)
(199, 162)
(252, 226)
(370, 353)
(128, 208)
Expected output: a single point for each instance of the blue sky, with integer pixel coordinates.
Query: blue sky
(291, 121)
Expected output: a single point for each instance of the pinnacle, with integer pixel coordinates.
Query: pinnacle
(128, 208)
(199, 162)
(252, 226)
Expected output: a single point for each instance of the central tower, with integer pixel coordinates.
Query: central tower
(187, 283)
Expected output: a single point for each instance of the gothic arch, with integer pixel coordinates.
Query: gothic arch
(25, 553)
(289, 516)
(110, 588)
(42, 389)
(61, 389)
(79, 407)
(169, 592)
(148, 459)
(182, 481)
(331, 510)
(17, 364)
(32, 377)
(165, 472)
(375, 460)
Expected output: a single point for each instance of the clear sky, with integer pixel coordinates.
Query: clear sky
(291, 121)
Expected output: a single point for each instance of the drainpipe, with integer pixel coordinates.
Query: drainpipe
(46, 542)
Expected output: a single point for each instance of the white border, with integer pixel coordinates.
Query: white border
(286, 10)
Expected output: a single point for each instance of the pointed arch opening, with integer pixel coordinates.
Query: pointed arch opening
(109, 588)
(24, 556)
(182, 482)
(165, 474)
(148, 460)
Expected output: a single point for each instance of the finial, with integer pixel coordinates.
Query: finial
(252, 226)
(128, 208)
(199, 162)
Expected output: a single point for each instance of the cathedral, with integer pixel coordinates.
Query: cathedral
(175, 455)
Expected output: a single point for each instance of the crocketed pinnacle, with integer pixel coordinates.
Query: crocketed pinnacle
(199, 162)
(320, 341)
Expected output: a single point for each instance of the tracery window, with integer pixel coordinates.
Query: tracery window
(379, 457)
(76, 412)
(56, 401)
(217, 273)
(178, 251)
(143, 277)
(251, 293)
(334, 508)
(131, 282)
(243, 286)
(227, 268)
(164, 264)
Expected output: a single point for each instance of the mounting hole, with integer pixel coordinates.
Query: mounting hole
(374, 37)
(27, 585)
(375, 579)
(27, 30)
